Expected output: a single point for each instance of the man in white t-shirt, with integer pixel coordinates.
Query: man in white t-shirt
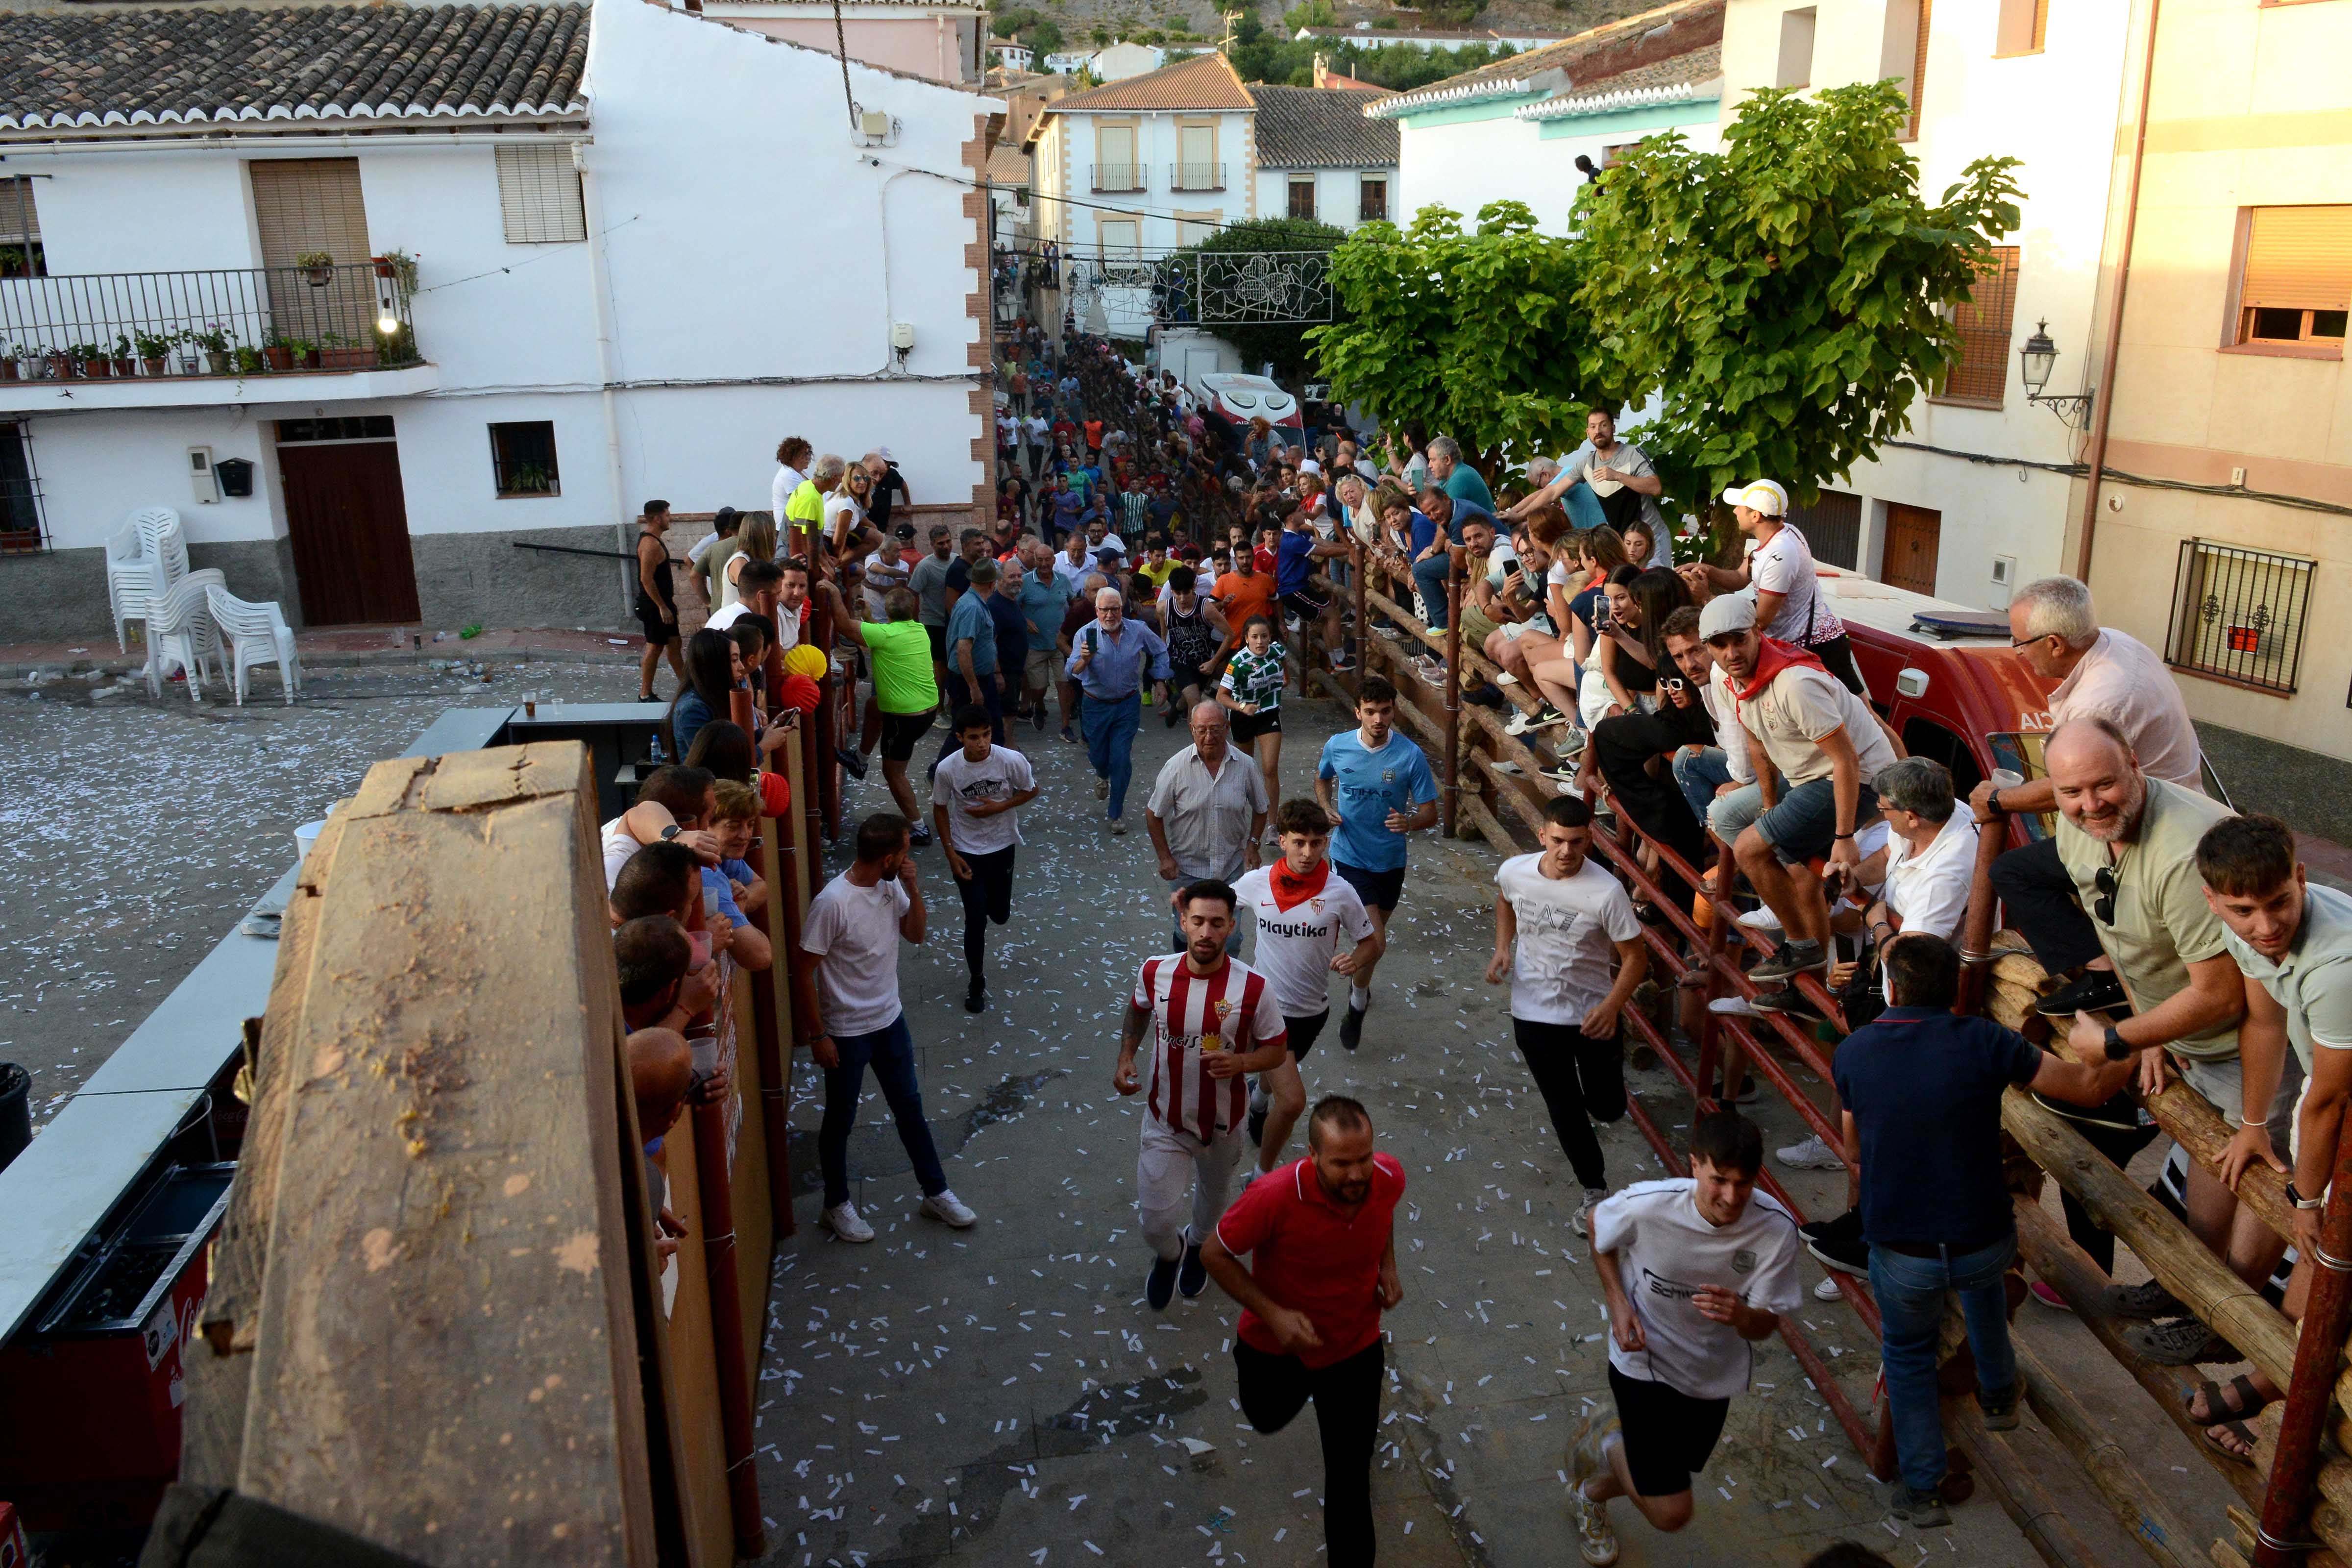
(1557, 916)
(776, 589)
(1815, 746)
(1696, 1271)
(1212, 1019)
(846, 984)
(1621, 487)
(1306, 919)
(974, 794)
(1789, 605)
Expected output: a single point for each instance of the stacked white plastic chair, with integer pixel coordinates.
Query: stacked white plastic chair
(256, 634)
(143, 559)
(180, 631)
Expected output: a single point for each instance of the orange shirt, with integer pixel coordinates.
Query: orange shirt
(1241, 597)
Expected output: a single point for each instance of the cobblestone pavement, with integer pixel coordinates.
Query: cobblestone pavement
(1004, 1397)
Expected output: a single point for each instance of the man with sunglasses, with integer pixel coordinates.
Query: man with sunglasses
(2129, 845)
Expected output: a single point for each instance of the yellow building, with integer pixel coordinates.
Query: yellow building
(2218, 528)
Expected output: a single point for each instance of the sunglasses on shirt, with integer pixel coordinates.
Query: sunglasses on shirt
(2104, 905)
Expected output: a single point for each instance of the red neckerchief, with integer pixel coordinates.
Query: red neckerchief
(1771, 658)
(1290, 892)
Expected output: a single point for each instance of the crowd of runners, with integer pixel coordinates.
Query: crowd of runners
(1144, 560)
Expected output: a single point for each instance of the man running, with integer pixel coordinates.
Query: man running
(974, 794)
(1557, 915)
(1110, 660)
(1377, 787)
(1212, 1019)
(845, 982)
(1696, 1269)
(904, 687)
(1305, 917)
(1321, 1234)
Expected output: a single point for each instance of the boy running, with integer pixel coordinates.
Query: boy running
(1305, 918)
(973, 797)
(1564, 913)
(1695, 1269)
(1377, 787)
(1212, 1019)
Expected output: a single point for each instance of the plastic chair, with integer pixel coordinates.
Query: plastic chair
(256, 634)
(144, 558)
(180, 631)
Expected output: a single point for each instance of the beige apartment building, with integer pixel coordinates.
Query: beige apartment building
(2219, 529)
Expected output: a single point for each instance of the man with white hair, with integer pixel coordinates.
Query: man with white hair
(2099, 673)
(1458, 478)
(1789, 601)
(1207, 811)
(1110, 659)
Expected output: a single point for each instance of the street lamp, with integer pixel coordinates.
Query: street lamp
(2035, 361)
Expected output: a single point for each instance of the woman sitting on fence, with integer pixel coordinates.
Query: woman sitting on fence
(1629, 652)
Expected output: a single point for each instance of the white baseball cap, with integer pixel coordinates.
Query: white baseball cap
(1725, 613)
(1758, 495)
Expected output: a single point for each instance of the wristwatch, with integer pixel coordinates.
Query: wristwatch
(2298, 1199)
(2116, 1048)
(669, 831)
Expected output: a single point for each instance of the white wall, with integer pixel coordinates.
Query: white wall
(1466, 164)
(1155, 207)
(1338, 194)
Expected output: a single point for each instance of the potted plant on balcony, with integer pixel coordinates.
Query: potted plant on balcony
(89, 359)
(318, 265)
(337, 351)
(9, 356)
(249, 359)
(214, 343)
(124, 364)
(57, 365)
(155, 350)
(277, 349)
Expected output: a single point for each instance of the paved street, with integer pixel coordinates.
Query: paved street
(1004, 1397)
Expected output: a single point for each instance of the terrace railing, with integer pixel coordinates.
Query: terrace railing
(233, 321)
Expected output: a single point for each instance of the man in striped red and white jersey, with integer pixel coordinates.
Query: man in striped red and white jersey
(1213, 1021)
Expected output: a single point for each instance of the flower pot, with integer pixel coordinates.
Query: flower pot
(59, 366)
(97, 369)
(319, 276)
(360, 358)
(125, 368)
(310, 359)
(277, 358)
(159, 365)
(8, 370)
(216, 362)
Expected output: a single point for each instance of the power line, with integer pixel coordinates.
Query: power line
(2141, 481)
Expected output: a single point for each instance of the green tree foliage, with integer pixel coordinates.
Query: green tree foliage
(1786, 298)
(1284, 343)
(1282, 61)
(1043, 35)
(1474, 335)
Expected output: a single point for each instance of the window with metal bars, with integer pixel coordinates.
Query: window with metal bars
(522, 457)
(2238, 614)
(20, 230)
(1985, 319)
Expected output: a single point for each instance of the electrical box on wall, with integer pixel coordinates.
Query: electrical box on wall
(236, 475)
(200, 475)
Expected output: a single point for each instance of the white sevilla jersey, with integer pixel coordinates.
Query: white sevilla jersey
(1233, 1009)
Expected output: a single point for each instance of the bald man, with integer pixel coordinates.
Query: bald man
(1207, 811)
(1110, 659)
(2129, 843)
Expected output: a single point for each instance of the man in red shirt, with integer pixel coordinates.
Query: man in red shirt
(1322, 1230)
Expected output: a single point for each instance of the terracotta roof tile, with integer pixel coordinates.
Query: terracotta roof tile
(1606, 51)
(192, 66)
(1204, 81)
(1316, 128)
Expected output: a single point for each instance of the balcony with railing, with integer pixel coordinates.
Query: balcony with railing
(1196, 177)
(1117, 178)
(181, 339)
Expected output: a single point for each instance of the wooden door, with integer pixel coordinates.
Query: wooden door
(347, 526)
(1913, 535)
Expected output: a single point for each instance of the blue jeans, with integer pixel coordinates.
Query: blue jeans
(1701, 773)
(1110, 728)
(1429, 576)
(891, 1053)
(1910, 1292)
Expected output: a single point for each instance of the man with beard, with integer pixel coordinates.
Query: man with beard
(1321, 1235)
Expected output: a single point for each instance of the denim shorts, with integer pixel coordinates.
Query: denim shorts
(1805, 821)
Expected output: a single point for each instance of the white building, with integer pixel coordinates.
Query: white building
(1320, 157)
(1146, 164)
(1964, 504)
(1012, 57)
(1514, 130)
(1123, 59)
(583, 332)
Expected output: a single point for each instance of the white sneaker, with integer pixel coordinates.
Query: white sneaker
(1507, 678)
(1813, 1155)
(1760, 917)
(1733, 1008)
(1827, 1291)
(842, 1220)
(1593, 1198)
(1543, 719)
(947, 1209)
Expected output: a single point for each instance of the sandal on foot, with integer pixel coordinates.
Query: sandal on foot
(2217, 1411)
(2239, 1430)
